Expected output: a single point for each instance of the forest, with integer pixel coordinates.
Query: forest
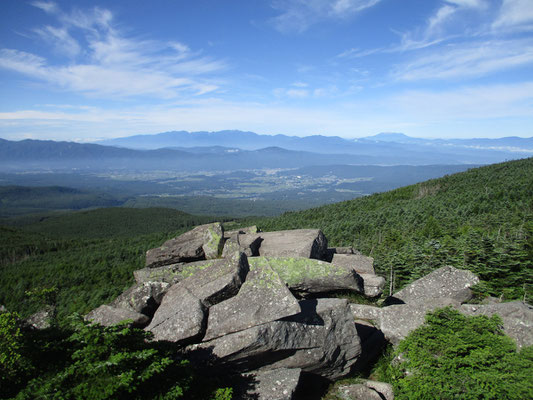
(480, 220)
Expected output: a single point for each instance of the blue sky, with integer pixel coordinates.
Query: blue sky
(84, 70)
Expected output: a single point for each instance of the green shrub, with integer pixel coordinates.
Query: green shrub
(453, 356)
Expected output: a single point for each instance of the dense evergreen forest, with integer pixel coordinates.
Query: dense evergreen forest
(480, 220)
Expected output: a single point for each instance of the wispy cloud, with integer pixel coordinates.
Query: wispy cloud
(516, 14)
(101, 61)
(298, 15)
(466, 60)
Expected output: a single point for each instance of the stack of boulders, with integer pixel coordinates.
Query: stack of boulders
(260, 305)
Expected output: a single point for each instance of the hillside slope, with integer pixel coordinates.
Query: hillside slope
(480, 219)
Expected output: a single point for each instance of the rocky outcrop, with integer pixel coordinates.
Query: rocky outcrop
(359, 263)
(142, 298)
(308, 243)
(372, 285)
(368, 390)
(277, 384)
(203, 242)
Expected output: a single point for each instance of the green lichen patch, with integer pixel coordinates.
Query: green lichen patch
(189, 270)
(213, 240)
(294, 270)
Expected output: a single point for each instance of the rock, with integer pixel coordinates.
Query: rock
(357, 391)
(366, 312)
(445, 282)
(372, 285)
(278, 384)
(181, 317)
(306, 276)
(173, 273)
(368, 390)
(343, 250)
(361, 264)
(247, 244)
(309, 243)
(398, 320)
(264, 297)
(41, 319)
(250, 230)
(219, 281)
(203, 242)
(107, 315)
(322, 340)
(143, 298)
(517, 318)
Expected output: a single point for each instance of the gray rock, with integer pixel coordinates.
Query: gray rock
(307, 276)
(181, 317)
(107, 315)
(368, 390)
(173, 273)
(517, 318)
(277, 384)
(343, 250)
(366, 312)
(264, 297)
(203, 242)
(143, 298)
(219, 281)
(372, 285)
(309, 243)
(41, 319)
(3, 309)
(361, 264)
(322, 339)
(398, 320)
(357, 391)
(250, 230)
(247, 244)
(445, 282)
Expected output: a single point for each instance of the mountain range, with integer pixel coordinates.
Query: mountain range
(232, 150)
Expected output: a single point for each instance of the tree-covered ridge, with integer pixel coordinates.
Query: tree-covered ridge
(480, 220)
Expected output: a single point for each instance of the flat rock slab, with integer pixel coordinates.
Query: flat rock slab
(308, 276)
(278, 384)
(172, 273)
(309, 243)
(203, 242)
(180, 318)
(262, 298)
(372, 285)
(107, 315)
(517, 318)
(445, 282)
(247, 244)
(361, 264)
(366, 312)
(250, 230)
(322, 339)
(368, 390)
(398, 320)
(143, 298)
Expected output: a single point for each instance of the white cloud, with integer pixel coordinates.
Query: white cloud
(111, 64)
(514, 13)
(467, 60)
(47, 6)
(298, 15)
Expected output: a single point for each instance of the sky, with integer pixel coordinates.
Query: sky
(86, 70)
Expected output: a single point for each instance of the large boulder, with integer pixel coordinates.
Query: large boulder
(263, 298)
(322, 340)
(361, 264)
(307, 276)
(397, 321)
(203, 242)
(446, 282)
(247, 244)
(143, 298)
(107, 315)
(517, 318)
(309, 243)
(182, 316)
(368, 390)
